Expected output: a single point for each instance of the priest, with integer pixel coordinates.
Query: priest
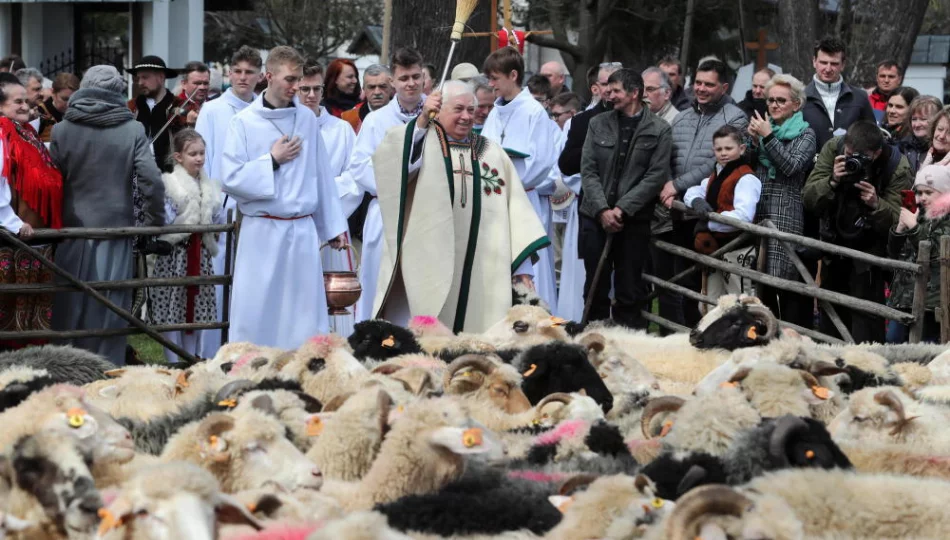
(522, 127)
(276, 167)
(458, 228)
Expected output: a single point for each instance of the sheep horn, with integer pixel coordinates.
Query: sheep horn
(810, 380)
(890, 400)
(765, 316)
(821, 368)
(559, 397)
(691, 479)
(785, 427)
(655, 407)
(478, 361)
(594, 341)
(717, 499)
(336, 402)
(234, 389)
(576, 482)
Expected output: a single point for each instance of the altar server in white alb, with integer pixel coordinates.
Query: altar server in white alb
(521, 126)
(338, 138)
(277, 169)
(407, 79)
(213, 122)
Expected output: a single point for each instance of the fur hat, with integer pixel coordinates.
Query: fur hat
(936, 177)
(104, 77)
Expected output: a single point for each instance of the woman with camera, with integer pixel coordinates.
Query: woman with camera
(785, 146)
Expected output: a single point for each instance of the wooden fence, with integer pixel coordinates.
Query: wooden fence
(66, 282)
(807, 287)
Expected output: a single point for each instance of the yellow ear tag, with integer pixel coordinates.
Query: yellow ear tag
(657, 503)
(314, 426)
(667, 426)
(472, 437)
(531, 370)
(76, 417)
(810, 454)
(752, 333)
(230, 403)
(389, 342)
(820, 392)
(109, 521)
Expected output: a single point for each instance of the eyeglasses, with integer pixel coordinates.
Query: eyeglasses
(611, 64)
(555, 115)
(780, 101)
(318, 89)
(651, 89)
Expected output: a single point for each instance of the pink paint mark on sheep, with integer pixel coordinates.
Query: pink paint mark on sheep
(424, 321)
(65, 389)
(320, 340)
(634, 444)
(242, 361)
(422, 362)
(564, 430)
(537, 476)
(285, 532)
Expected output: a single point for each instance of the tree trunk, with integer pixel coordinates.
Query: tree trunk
(797, 36)
(884, 30)
(425, 25)
(687, 33)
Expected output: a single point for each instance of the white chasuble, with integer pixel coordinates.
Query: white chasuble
(454, 230)
(525, 131)
(279, 299)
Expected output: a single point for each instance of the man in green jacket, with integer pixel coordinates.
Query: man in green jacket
(625, 162)
(855, 188)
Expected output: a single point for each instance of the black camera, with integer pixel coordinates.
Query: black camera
(856, 167)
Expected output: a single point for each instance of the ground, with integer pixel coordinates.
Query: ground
(149, 350)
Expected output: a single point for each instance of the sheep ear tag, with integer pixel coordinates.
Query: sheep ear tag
(217, 448)
(816, 395)
(752, 333)
(389, 342)
(561, 502)
(531, 370)
(109, 520)
(315, 425)
(83, 425)
(461, 441)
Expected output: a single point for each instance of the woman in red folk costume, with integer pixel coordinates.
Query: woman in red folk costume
(31, 196)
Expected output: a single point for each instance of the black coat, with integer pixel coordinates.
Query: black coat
(154, 119)
(853, 105)
(750, 105)
(570, 160)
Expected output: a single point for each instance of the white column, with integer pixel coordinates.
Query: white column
(155, 28)
(6, 29)
(33, 52)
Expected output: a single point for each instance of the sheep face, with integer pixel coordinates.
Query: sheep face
(737, 322)
(53, 471)
(561, 367)
(479, 378)
(141, 393)
(171, 501)
(882, 414)
(620, 371)
(325, 368)
(250, 450)
(98, 433)
(381, 340)
(526, 325)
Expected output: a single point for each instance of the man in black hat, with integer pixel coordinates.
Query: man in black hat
(155, 106)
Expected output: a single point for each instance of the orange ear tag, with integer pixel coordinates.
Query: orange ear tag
(472, 437)
(109, 521)
(820, 392)
(389, 342)
(252, 507)
(810, 454)
(562, 508)
(531, 370)
(557, 321)
(752, 333)
(230, 403)
(667, 426)
(314, 426)
(729, 385)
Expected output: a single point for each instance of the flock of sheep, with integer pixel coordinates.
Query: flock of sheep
(538, 428)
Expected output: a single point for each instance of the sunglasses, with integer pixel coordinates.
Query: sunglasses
(780, 101)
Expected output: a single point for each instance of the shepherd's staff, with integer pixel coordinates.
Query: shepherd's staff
(463, 10)
(178, 111)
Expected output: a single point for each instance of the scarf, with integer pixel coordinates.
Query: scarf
(29, 168)
(340, 102)
(96, 107)
(790, 129)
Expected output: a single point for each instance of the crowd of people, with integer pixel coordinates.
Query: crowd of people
(456, 194)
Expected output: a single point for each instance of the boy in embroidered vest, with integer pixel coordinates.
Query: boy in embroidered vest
(732, 190)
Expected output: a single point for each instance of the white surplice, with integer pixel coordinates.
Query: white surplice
(212, 125)
(360, 171)
(339, 138)
(523, 128)
(278, 298)
(570, 294)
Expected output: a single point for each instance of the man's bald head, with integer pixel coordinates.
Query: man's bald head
(554, 72)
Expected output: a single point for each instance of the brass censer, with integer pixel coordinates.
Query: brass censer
(343, 287)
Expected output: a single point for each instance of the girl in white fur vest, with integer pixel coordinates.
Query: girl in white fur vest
(191, 198)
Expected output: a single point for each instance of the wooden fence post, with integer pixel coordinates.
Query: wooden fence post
(919, 308)
(944, 308)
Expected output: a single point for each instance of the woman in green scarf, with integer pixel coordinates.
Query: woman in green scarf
(785, 148)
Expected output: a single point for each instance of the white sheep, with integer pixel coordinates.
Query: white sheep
(886, 414)
(325, 368)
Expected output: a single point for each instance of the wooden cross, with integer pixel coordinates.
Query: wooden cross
(463, 172)
(762, 46)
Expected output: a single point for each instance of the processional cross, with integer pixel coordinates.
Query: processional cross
(761, 46)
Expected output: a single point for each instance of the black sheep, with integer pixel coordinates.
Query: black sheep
(675, 475)
(744, 324)
(483, 501)
(14, 393)
(561, 367)
(63, 363)
(381, 340)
